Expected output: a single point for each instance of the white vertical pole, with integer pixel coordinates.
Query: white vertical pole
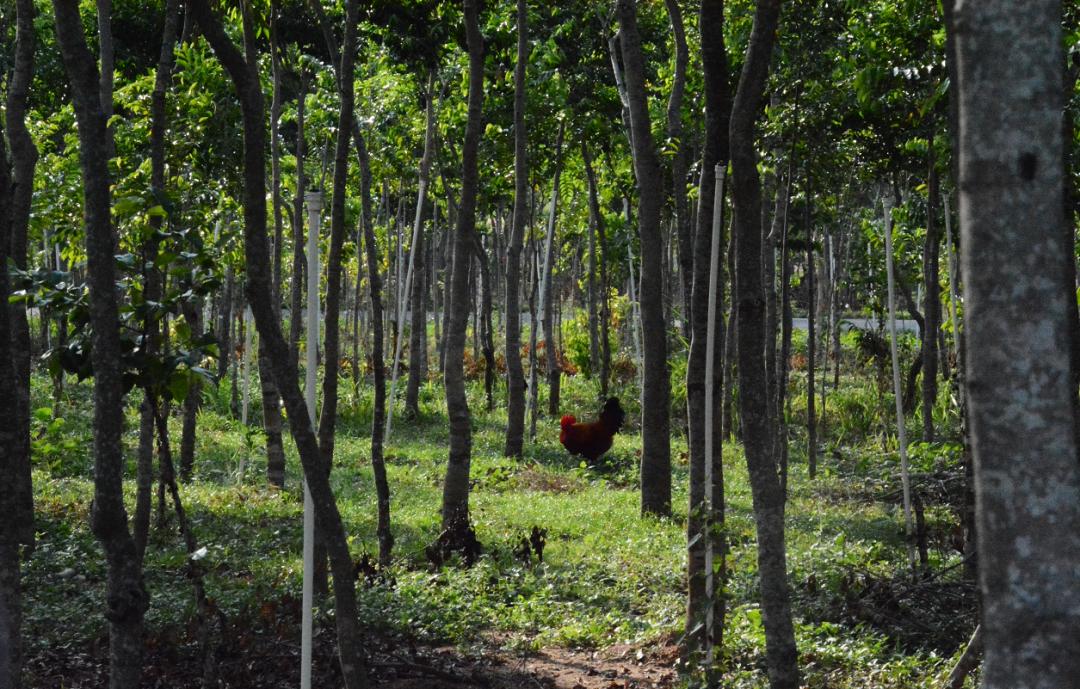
(710, 365)
(314, 206)
(901, 432)
(403, 302)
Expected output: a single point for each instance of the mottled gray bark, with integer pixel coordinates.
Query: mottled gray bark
(455, 506)
(656, 379)
(10, 462)
(717, 113)
(768, 499)
(126, 596)
(24, 156)
(1018, 367)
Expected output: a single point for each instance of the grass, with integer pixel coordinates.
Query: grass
(608, 575)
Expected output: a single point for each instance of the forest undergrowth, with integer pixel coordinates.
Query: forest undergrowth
(608, 581)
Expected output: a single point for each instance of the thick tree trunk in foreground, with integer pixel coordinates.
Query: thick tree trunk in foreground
(11, 459)
(768, 498)
(717, 113)
(24, 155)
(1018, 367)
(656, 381)
(243, 72)
(127, 598)
(455, 507)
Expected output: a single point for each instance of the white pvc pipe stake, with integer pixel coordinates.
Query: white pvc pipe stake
(314, 202)
(901, 432)
(710, 364)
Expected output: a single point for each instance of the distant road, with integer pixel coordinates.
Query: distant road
(862, 324)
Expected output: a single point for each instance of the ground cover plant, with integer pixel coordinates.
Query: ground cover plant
(608, 579)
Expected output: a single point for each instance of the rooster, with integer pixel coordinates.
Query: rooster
(591, 440)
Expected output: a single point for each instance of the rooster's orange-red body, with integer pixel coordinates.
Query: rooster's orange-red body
(591, 440)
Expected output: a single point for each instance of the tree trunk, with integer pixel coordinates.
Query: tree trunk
(1023, 426)
(332, 344)
(12, 460)
(515, 375)
(547, 299)
(487, 338)
(768, 499)
(455, 507)
(656, 382)
(679, 162)
(596, 217)
(932, 308)
(243, 70)
(418, 327)
(296, 293)
(717, 112)
(275, 449)
(811, 341)
(24, 155)
(191, 409)
(127, 598)
(371, 250)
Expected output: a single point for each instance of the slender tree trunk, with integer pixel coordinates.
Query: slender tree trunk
(371, 250)
(679, 162)
(547, 298)
(768, 499)
(715, 151)
(243, 70)
(515, 375)
(191, 407)
(487, 338)
(1023, 426)
(296, 294)
(597, 219)
(275, 449)
(932, 308)
(127, 598)
(811, 342)
(418, 327)
(455, 507)
(656, 388)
